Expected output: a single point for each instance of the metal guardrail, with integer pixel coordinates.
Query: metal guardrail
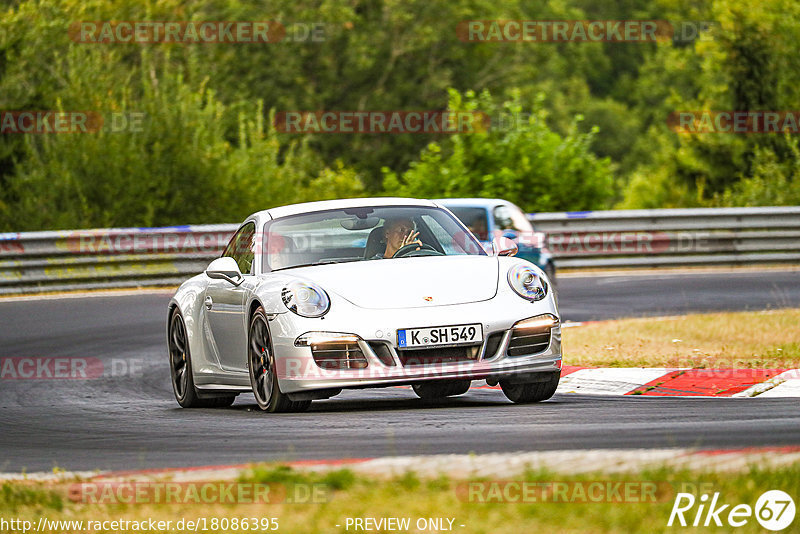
(136, 257)
(105, 258)
(672, 237)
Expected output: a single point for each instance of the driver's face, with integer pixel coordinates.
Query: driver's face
(397, 230)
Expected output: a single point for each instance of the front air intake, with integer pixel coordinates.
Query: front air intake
(531, 336)
(383, 352)
(438, 355)
(338, 355)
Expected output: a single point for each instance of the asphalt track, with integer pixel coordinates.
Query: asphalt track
(130, 421)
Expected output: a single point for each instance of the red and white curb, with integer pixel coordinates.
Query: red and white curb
(676, 382)
(681, 382)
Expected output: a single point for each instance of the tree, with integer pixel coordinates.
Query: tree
(524, 162)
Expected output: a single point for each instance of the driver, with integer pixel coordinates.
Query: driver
(399, 233)
(479, 228)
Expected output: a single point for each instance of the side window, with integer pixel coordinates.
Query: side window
(511, 218)
(242, 248)
(503, 219)
(521, 221)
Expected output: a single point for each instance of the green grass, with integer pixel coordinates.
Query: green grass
(426, 495)
(740, 340)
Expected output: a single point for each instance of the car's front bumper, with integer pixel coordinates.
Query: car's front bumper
(298, 371)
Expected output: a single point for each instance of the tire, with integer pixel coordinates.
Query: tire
(180, 369)
(263, 371)
(531, 392)
(441, 389)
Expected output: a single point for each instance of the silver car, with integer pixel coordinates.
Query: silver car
(310, 299)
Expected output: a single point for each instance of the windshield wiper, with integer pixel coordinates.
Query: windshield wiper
(320, 262)
(336, 260)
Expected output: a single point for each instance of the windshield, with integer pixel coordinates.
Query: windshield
(364, 234)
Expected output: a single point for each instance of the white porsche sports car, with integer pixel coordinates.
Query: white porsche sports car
(309, 299)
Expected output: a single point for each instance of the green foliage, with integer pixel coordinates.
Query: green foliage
(520, 159)
(339, 479)
(15, 496)
(188, 158)
(182, 164)
(206, 151)
(748, 61)
(774, 181)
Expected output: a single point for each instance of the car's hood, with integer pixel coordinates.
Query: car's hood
(408, 282)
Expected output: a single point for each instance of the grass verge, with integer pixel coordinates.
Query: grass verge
(556, 503)
(740, 340)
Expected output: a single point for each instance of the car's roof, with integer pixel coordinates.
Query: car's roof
(322, 205)
(471, 202)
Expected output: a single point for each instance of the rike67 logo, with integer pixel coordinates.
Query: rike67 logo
(774, 510)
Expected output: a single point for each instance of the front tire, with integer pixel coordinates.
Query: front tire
(531, 392)
(263, 371)
(180, 360)
(441, 389)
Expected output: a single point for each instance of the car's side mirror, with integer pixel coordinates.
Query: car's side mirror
(503, 246)
(510, 234)
(225, 269)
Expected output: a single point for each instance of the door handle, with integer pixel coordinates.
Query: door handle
(209, 303)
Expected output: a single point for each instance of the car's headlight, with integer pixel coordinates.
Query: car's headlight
(527, 283)
(306, 299)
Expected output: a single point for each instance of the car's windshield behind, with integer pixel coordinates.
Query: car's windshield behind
(357, 234)
(475, 219)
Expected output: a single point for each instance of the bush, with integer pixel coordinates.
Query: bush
(774, 182)
(524, 162)
(192, 160)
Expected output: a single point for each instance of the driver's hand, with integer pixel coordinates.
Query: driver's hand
(412, 237)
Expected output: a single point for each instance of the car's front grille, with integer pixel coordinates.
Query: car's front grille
(338, 355)
(438, 355)
(528, 341)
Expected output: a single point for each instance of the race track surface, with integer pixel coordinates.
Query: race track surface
(131, 421)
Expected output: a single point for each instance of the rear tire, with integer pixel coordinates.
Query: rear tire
(181, 369)
(263, 371)
(441, 389)
(531, 392)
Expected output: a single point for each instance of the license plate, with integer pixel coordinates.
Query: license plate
(462, 334)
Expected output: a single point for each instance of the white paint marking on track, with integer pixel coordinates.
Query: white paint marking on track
(786, 384)
(789, 386)
(89, 294)
(610, 381)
